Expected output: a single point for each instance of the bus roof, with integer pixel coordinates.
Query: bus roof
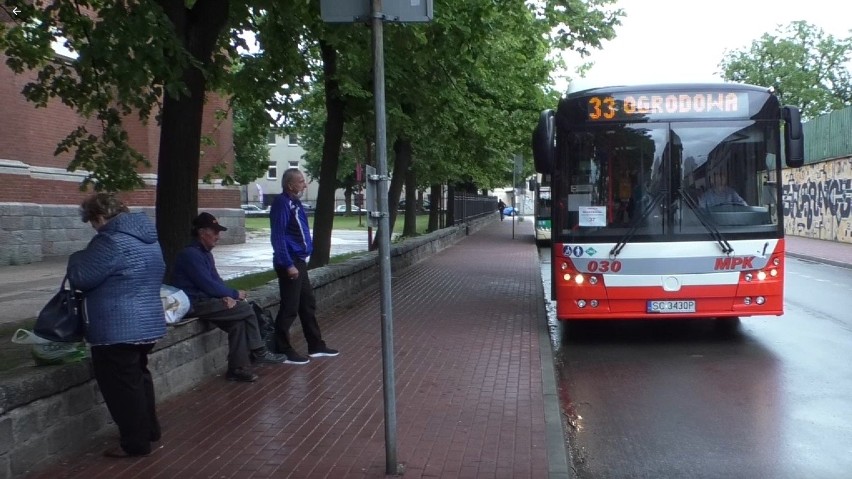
(673, 87)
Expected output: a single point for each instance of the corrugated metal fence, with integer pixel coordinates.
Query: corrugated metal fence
(828, 136)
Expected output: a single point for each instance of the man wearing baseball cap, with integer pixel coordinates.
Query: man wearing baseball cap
(212, 300)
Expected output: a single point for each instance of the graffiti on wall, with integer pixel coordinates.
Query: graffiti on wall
(818, 200)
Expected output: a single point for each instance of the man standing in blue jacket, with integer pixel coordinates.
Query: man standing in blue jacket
(291, 247)
(212, 300)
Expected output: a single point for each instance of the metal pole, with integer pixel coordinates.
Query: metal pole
(392, 467)
(514, 190)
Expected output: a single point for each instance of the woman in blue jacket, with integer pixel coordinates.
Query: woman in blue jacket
(120, 273)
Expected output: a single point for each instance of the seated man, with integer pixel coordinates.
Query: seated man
(721, 194)
(212, 300)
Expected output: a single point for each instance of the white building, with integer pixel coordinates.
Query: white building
(284, 153)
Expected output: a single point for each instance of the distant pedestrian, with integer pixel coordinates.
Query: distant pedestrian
(214, 301)
(501, 207)
(120, 272)
(291, 246)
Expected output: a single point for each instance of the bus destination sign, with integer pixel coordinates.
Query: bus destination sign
(706, 104)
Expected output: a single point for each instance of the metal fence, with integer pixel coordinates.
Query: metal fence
(467, 207)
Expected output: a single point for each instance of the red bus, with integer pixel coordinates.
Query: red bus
(665, 200)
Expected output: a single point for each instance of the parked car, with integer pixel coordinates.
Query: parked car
(426, 205)
(254, 210)
(342, 209)
(509, 211)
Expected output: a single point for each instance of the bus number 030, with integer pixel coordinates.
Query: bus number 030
(604, 266)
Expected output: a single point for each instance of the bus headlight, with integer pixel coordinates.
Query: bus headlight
(747, 300)
(593, 280)
(760, 300)
(579, 279)
(581, 303)
(594, 303)
(566, 277)
(747, 277)
(761, 275)
(773, 272)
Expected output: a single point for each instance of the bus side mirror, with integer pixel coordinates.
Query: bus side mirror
(543, 143)
(794, 138)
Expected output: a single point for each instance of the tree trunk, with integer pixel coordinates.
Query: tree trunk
(335, 108)
(180, 128)
(402, 158)
(435, 209)
(347, 199)
(411, 205)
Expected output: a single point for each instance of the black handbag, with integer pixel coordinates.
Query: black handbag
(62, 319)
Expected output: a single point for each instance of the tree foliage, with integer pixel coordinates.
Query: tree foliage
(807, 67)
(118, 72)
(463, 91)
(139, 58)
(251, 145)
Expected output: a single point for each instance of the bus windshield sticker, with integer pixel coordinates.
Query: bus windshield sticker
(592, 216)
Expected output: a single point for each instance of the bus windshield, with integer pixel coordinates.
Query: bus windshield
(667, 181)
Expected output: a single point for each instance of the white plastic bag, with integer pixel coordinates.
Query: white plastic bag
(47, 353)
(175, 303)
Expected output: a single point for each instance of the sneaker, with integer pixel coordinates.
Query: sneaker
(323, 351)
(242, 375)
(295, 358)
(268, 357)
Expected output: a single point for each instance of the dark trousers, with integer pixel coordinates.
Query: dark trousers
(239, 322)
(297, 299)
(121, 371)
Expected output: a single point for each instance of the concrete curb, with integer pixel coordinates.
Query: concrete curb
(558, 455)
(817, 259)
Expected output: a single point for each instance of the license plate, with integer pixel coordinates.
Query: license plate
(683, 306)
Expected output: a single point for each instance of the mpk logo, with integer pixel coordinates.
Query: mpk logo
(734, 263)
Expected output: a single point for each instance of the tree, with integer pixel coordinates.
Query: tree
(139, 57)
(160, 57)
(463, 90)
(806, 67)
(251, 145)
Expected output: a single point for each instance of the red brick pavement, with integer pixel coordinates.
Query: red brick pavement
(830, 252)
(467, 328)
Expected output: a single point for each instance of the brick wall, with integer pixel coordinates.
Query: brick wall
(30, 134)
(30, 173)
(32, 177)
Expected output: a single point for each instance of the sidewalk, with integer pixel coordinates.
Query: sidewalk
(475, 387)
(821, 251)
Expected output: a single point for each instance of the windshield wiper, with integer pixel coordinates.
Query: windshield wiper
(634, 226)
(706, 222)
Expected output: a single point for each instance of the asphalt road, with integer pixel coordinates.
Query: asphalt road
(675, 399)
